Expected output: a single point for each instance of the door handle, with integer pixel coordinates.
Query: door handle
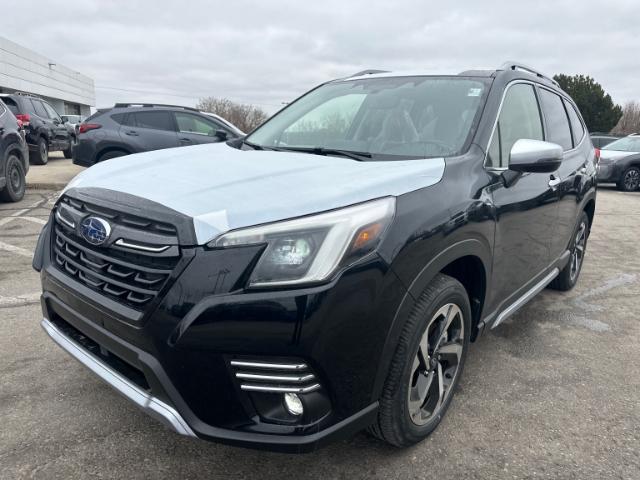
(186, 140)
(131, 133)
(554, 182)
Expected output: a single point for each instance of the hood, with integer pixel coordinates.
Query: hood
(614, 155)
(223, 188)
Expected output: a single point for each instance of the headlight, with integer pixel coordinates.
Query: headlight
(310, 249)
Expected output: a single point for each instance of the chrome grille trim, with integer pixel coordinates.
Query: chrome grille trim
(276, 389)
(134, 246)
(274, 377)
(269, 366)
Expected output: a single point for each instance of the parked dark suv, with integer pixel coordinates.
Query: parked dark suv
(45, 130)
(326, 273)
(133, 128)
(14, 157)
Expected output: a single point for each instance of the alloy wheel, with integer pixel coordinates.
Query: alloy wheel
(578, 250)
(43, 150)
(436, 363)
(632, 180)
(15, 177)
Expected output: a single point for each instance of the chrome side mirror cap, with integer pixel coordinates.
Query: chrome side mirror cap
(535, 156)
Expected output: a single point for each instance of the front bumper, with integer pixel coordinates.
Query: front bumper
(148, 403)
(174, 359)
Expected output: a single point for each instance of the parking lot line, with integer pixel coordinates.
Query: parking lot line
(18, 250)
(35, 220)
(20, 300)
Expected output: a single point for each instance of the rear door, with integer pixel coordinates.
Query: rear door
(525, 203)
(149, 130)
(565, 128)
(193, 129)
(62, 137)
(42, 120)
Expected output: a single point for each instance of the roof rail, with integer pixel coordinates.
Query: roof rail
(367, 72)
(150, 105)
(524, 68)
(24, 94)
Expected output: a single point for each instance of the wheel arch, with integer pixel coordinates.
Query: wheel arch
(468, 261)
(590, 209)
(110, 149)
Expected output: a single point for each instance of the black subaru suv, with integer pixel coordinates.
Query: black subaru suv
(45, 130)
(14, 157)
(133, 128)
(326, 273)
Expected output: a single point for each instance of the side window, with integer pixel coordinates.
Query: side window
(577, 129)
(2, 109)
(154, 120)
(53, 115)
(188, 123)
(119, 118)
(12, 105)
(38, 107)
(558, 130)
(519, 118)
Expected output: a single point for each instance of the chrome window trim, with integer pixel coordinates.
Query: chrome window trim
(495, 122)
(584, 128)
(544, 131)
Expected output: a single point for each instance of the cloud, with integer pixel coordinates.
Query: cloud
(270, 52)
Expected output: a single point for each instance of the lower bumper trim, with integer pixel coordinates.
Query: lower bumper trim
(148, 403)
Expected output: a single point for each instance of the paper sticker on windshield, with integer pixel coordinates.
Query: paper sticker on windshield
(474, 92)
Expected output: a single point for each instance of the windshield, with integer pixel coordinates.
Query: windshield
(626, 144)
(384, 118)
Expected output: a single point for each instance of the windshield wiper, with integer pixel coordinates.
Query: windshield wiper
(257, 147)
(360, 156)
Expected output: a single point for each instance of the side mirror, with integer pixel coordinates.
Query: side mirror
(535, 156)
(221, 134)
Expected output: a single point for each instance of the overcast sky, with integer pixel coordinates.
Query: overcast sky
(269, 52)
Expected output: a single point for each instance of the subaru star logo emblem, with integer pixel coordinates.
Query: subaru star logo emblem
(95, 230)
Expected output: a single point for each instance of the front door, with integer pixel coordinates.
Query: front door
(193, 130)
(149, 130)
(525, 204)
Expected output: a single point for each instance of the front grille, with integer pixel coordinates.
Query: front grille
(120, 218)
(132, 279)
(275, 377)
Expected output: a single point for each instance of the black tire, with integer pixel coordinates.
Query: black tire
(395, 423)
(68, 153)
(112, 154)
(41, 155)
(630, 180)
(16, 185)
(569, 275)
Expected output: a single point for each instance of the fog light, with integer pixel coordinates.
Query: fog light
(293, 404)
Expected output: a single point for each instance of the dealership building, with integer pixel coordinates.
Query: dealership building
(22, 70)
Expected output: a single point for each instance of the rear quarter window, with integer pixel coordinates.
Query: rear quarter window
(577, 129)
(39, 108)
(153, 120)
(12, 105)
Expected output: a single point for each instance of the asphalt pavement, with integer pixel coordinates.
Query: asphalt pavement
(554, 392)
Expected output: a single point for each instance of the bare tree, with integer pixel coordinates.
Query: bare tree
(630, 120)
(245, 117)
